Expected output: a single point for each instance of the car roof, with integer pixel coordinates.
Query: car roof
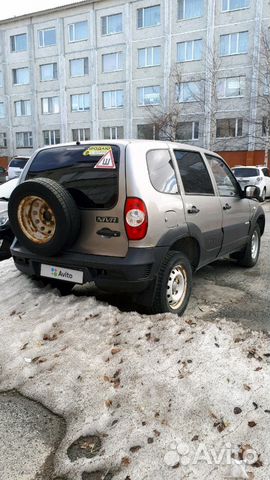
(125, 142)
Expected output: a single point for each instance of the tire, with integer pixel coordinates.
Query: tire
(263, 195)
(43, 216)
(175, 267)
(5, 250)
(249, 256)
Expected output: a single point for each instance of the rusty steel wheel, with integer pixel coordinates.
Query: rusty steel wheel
(36, 219)
(43, 216)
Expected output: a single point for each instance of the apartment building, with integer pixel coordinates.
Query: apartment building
(110, 68)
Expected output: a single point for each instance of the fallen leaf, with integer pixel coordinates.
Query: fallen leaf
(125, 461)
(252, 424)
(237, 410)
(246, 387)
(115, 350)
(150, 440)
(135, 449)
(195, 438)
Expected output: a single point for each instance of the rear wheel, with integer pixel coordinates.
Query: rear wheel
(249, 256)
(174, 284)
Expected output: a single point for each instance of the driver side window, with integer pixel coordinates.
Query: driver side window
(226, 183)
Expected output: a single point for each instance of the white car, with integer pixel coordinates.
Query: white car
(258, 176)
(16, 166)
(6, 235)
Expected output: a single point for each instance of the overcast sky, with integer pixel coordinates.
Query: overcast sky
(11, 8)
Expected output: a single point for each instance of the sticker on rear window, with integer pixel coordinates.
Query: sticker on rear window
(107, 161)
(97, 150)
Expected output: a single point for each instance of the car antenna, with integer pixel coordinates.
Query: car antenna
(78, 143)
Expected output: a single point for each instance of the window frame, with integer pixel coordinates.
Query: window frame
(193, 128)
(50, 102)
(186, 42)
(42, 32)
(13, 43)
(152, 55)
(230, 43)
(143, 88)
(113, 93)
(3, 135)
(22, 107)
(230, 175)
(142, 9)
(52, 133)
(180, 93)
(28, 135)
(72, 28)
(80, 138)
(236, 127)
(229, 9)
(87, 109)
(184, 8)
(54, 71)
(85, 67)
(120, 60)
(113, 137)
(106, 17)
(242, 80)
(14, 76)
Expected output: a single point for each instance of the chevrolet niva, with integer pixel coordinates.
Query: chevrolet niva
(132, 216)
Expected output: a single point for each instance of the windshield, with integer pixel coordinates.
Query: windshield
(19, 163)
(246, 172)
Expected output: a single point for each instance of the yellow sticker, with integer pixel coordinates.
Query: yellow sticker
(97, 150)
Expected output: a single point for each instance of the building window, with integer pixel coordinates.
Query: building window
(80, 134)
(3, 140)
(188, 92)
(51, 137)
(148, 131)
(187, 131)
(18, 43)
(148, 57)
(21, 76)
(111, 24)
(1, 79)
(112, 62)
(48, 72)
(233, 44)
(190, 9)
(148, 16)
(229, 127)
(2, 110)
(78, 31)
(50, 105)
(231, 87)
(113, 133)
(189, 51)
(149, 95)
(22, 108)
(24, 140)
(80, 103)
(229, 5)
(113, 99)
(78, 67)
(47, 37)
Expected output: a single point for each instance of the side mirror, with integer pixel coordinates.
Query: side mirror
(252, 192)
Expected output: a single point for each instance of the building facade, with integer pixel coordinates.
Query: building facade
(110, 69)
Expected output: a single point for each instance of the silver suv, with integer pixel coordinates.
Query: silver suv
(132, 216)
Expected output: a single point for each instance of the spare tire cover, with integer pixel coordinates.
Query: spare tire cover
(43, 216)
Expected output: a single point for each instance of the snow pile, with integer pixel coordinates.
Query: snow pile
(169, 398)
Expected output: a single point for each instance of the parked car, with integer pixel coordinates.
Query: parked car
(133, 216)
(258, 176)
(3, 174)
(16, 166)
(6, 235)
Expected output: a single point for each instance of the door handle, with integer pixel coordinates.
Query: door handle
(226, 206)
(193, 210)
(107, 232)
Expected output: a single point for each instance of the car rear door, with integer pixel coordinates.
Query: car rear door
(94, 174)
(202, 206)
(235, 208)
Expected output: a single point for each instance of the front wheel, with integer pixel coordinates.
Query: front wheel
(249, 256)
(174, 284)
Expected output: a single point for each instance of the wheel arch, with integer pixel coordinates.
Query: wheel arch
(190, 247)
(261, 222)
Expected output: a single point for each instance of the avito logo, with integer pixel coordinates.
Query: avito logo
(59, 273)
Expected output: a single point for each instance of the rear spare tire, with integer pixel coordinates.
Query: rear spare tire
(43, 216)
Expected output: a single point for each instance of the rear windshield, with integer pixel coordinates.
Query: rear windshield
(20, 162)
(88, 172)
(246, 172)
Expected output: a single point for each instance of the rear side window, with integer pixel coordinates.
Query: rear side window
(246, 172)
(18, 163)
(88, 172)
(161, 171)
(194, 174)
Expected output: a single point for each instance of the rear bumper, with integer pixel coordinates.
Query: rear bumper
(133, 273)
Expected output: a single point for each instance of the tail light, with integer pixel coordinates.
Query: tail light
(136, 218)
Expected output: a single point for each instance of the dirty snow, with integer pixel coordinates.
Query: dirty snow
(170, 398)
